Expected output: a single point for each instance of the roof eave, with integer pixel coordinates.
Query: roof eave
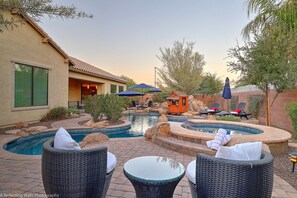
(47, 39)
(97, 75)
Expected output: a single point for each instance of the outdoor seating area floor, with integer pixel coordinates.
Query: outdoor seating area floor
(21, 174)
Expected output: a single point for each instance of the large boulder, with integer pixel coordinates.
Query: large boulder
(149, 133)
(161, 129)
(191, 98)
(187, 114)
(164, 129)
(101, 124)
(21, 124)
(156, 105)
(164, 105)
(195, 105)
(163, 118)
(162, 111)
(89, 123)
(123, 118)
(93, 138)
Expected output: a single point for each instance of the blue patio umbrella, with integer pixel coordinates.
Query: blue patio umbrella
(129, 93)
(142, 86)
(227, 92)
(154, 90)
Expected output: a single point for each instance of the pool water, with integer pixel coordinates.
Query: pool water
(32, 145)
(213, 128)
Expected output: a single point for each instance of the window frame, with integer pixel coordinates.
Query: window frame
(120, 86)
(116, 88)
(13, 107)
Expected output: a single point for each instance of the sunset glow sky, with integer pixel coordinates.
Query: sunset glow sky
(125, 36)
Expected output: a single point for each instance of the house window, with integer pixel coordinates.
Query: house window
(113, 89)
(121, 88)
(31, 86)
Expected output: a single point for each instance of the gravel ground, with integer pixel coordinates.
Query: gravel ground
(282, 163)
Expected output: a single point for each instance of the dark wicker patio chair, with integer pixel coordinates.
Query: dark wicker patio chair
(75, 174)
(217, 177)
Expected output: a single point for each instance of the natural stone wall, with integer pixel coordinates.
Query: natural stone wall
(160, 129)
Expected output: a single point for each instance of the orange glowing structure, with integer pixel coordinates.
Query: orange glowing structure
(177, 103)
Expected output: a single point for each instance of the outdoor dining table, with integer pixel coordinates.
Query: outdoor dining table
(154, 176)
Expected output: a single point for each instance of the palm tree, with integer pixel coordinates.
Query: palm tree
(281, 13)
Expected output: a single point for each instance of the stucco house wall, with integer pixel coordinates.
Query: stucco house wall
(27, 46)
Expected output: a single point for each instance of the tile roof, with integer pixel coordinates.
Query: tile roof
(80, 66)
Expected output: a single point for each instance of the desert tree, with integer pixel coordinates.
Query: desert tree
(35, 9)
(269, 60)
(182, 68)
(210, 85)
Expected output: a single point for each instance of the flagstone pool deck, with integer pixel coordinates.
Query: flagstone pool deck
(20, 175)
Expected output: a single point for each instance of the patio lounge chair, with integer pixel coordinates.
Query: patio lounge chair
(136, 104)
(214, 108)
(75, 173)
(149, 104)
(216, 177)
(239, 111)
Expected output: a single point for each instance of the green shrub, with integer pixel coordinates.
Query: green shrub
(160, 97)
(114, 107)
(126, 102)
(292, 111)
(228, 118)
(254, 104)
(109, 105)
(56, 113)
(73, 110)
(94, 105)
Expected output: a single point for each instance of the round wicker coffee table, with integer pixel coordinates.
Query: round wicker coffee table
(154, 176)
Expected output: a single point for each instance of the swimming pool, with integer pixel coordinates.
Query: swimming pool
(213, 128)
(32, 145)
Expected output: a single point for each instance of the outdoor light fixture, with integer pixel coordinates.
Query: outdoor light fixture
(89, 85)
(293, 158)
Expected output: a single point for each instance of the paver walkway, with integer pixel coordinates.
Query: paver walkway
(20, 174)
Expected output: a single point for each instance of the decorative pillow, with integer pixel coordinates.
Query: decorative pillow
(245, 151)
(64, 141)
(111, 162)
(237, 111)
(220, 139)
(214, 109)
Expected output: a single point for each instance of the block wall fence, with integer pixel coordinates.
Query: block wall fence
(279, 115)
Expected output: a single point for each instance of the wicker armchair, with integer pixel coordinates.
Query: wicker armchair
(75, 174)
(217, 177)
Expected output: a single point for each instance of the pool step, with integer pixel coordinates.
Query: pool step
(183, 146)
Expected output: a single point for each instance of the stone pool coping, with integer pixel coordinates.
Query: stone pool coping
(275, 138)
(7, 138)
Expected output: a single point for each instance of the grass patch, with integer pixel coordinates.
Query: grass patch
(228, 118)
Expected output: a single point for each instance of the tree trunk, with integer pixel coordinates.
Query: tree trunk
(267, 106)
